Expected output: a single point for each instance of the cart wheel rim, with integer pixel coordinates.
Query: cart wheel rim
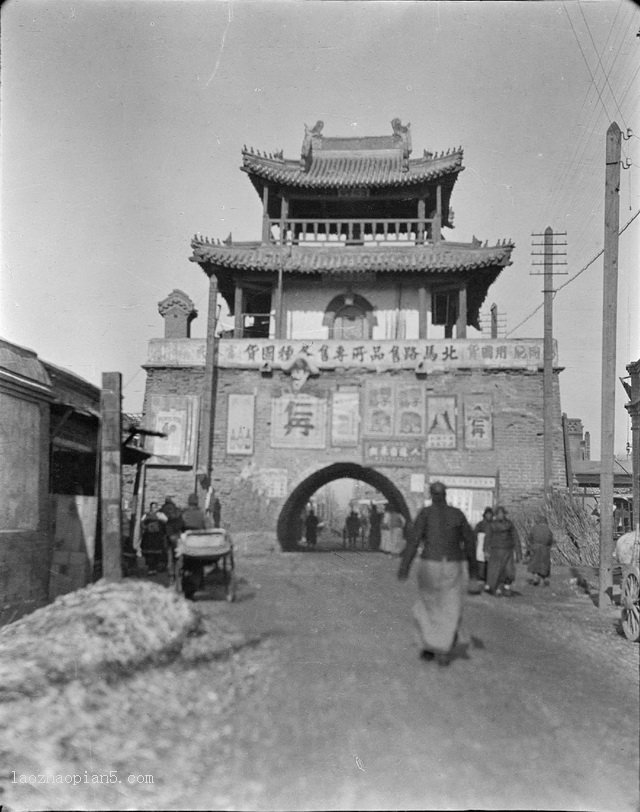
(631, 623)
(630, 591)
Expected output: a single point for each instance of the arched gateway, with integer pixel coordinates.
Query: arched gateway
(340, 470)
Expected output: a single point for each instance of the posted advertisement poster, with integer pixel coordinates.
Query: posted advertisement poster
(441, 422)
(345, 417)
(410, 410)
(240, 424)
(379, 409)
(298, 421)
(176, 416)
(478, 422)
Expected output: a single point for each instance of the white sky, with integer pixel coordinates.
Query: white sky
(123, 122)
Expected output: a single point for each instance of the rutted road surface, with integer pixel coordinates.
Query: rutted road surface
(323, 703)
(539, 710)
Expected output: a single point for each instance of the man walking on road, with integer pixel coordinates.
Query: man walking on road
(447, 541)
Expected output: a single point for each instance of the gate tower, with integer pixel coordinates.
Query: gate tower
(349, 354)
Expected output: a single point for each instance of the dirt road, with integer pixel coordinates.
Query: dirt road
(333, 709)
(539, 709)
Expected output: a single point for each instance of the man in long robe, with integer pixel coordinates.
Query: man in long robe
(447, 541)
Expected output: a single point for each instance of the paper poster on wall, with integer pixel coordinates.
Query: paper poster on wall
(176, 416)
(240, 417)
(379, 409)
(345, 417)
(298, 421)
(410, 410)
(478, 422)
(441, 422)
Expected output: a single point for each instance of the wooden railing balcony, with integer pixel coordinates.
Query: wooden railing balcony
(333, 231)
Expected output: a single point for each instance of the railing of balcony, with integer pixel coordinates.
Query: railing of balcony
(354, 231)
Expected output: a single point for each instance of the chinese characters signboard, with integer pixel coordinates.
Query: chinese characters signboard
(394, 452)
(441, 422)
(432, 356)
(240, 412)
(478, 422)
(298, 421)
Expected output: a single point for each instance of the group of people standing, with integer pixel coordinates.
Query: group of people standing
(378, 531)
(448, 547)
(161, 528)
(498, 550)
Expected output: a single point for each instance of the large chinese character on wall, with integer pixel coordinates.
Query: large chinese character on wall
(478, 422)
(441, 422)
(240, 414)
(298, 421)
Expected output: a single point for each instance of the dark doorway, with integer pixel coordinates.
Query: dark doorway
(291, 510)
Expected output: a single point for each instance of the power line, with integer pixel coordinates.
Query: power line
(606, 78)
(586, 62)
(575, 276)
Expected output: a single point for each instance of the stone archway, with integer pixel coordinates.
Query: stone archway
(340, 470)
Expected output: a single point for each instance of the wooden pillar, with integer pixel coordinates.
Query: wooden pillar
(437, 225)
(633, 407)
(111, 475)
(207, 401)
(461, 324)
(423, 314)
(280, 328)
(266, 230)
(421, 216)
(284, 214)
(238, 321)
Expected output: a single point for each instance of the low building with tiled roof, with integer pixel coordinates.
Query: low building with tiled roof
(350, 353)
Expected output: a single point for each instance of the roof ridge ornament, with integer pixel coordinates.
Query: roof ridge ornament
(307, 143)
(402, 132)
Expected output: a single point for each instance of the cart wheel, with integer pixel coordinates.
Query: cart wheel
(231, 588)
(630, 601)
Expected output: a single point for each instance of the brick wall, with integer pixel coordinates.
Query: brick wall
(161, 481)
(516, 457)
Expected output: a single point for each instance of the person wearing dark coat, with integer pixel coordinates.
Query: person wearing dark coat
(216, 511)
(154, 538)
(447, 540)
(540, 542)
(193, 574)
(375, 524)
(481, 528)
(502, 544)
(353, 528)
(311, 528)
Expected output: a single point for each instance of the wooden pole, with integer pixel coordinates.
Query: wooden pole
(207, 401)
(111, 475)
(633, 407)
(547, 374)
(608, 393)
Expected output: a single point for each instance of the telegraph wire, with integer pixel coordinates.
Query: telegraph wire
(604, 72)
(586, 62)
(575, 276)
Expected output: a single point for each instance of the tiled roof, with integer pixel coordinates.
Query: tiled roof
(437, 258)
(331, 170)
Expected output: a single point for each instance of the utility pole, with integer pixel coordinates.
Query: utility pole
(549, 262)
(209, 387)
(111, 474)
(608, 392)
